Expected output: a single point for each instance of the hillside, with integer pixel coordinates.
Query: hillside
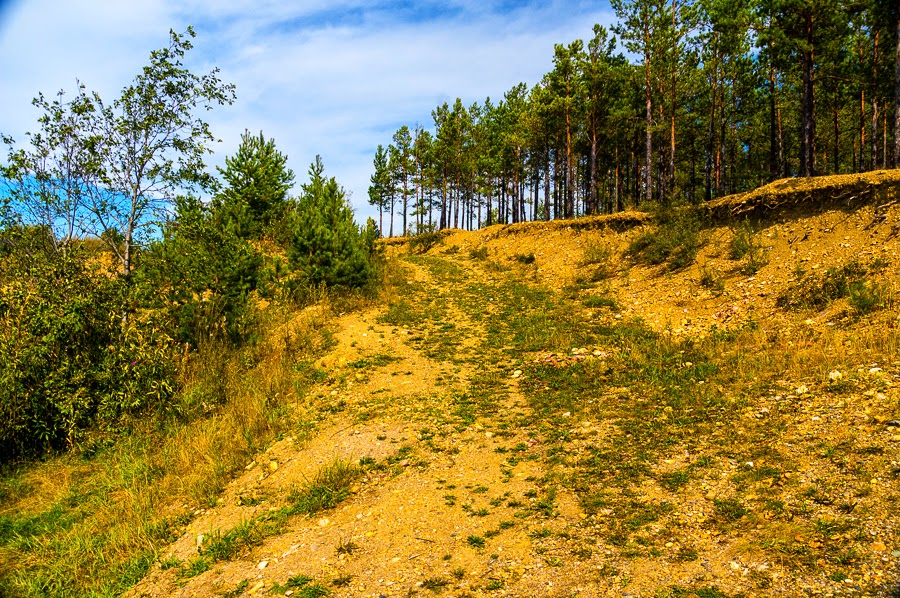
(580, 408)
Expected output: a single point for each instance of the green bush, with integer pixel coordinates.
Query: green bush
(866, 296)
(674, 242)
(424, 241)
(710, 279)
(813, 291)
(71, 360)
(744, 246)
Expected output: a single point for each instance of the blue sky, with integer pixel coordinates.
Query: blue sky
(334, 78)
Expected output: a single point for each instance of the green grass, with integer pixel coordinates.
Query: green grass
(330, 486)
(435, 584)
(730, 509)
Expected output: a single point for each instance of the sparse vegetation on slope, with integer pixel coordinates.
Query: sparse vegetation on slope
(497, 423)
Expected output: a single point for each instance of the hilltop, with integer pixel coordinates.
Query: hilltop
(700, 403)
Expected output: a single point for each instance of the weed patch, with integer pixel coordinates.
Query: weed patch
(816, 292)
(674, 242)
(330, 486)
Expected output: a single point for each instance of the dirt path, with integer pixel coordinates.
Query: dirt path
(450, 484)
(487, 468)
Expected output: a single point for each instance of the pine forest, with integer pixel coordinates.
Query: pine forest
(680, 101)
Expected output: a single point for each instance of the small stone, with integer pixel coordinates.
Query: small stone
(323, 522)
(801, 390)
(262, 565)
(489, 434)
(734, 566)
(404, 463)
(517, 373)
(874, 370)
(835, 376)
(669, 545)
(567, 414)
(199, 540)
(896, 554)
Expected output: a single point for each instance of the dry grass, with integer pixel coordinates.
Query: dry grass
(93, 523)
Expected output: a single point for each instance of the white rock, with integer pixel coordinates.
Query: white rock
(835, 376)
(262, 565)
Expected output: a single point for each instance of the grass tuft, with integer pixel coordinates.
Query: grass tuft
(330, 486)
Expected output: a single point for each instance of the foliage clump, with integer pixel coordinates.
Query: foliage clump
(851, 281)
(201, 274)
(68, 358)
(424, 241)
(674, 242)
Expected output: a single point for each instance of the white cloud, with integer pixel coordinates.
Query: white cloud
(315, 79)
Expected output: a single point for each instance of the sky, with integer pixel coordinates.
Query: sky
(334, 78)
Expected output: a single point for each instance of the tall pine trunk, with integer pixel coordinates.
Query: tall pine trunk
(648, 160)
(808, 123)
(774, 163)
(862, 130)
(592, 197)
(874, 160)
(896, 162)
(547, 184)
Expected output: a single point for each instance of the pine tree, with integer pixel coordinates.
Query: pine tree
(258, 182)
(401, 167)
(327, 245)
(379, 190)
